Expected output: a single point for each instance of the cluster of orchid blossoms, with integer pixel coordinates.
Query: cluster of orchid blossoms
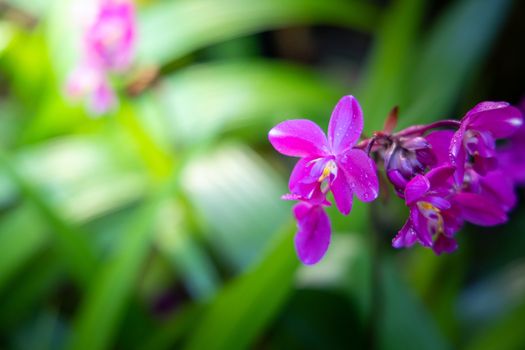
(107, 47)
(448, 172)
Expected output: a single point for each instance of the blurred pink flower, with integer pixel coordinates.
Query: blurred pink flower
(108, 46)
(110, 39)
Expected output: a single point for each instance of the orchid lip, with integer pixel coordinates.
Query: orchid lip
(329, 169)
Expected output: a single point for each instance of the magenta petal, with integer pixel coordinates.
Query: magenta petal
(346, 125)
(479, 210)
(416, 188)
(342, 192)
(484, 165)
(302, 182)
(360, 171)
(458, 155)
(452, 221)
(420, 224)
(298, 138)
(481, 143)
(406, 237)
(102, 99)
(500, 187)
(301, 210)
(444, 244)
(440, 143)
(397, 179)
(515, 166)
(501, 119)
(313, 235)
(438, 202)
(110, 40)
(416, 143)
(440, 176)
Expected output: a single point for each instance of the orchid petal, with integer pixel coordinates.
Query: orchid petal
(416, 188)
(397, 179)
(484, 165)
(406, 237)
(342, 192)
(479, 210)
(438, 202)
(452, 220)
(501, 119)
(440, 176)
(421, 227)
(313, 235)
(458, 155)
(102, 99)
(500, 187)
(480, 143)
(298, 138)
(444, 244)
(302, 182)
(346, 125)
(360, 171)
(440, 144)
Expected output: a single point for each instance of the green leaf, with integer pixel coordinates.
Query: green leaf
(73, 244)
(108, 293)
(506, 333)
(171, 332)
(84, 176)
(30, 291)
(186, 255)
(205, 100)
(244, 308)
(238, 197)
(455, 48)
(22, 235)
(404, 323)
(226, 19)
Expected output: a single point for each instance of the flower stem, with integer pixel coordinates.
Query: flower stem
(421, 129)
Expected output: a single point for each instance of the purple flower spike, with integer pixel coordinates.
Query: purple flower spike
(329, 163)
(448, 172)
(313, 235)
(476, 136)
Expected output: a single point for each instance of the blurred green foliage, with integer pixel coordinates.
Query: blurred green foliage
(160, 226)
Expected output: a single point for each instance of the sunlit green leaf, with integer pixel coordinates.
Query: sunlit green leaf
(73, 244)
(207, 99)
(237, 195)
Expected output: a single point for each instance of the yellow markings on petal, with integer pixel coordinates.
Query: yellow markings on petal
(428, 206)
(325, 174)
(330, 168)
